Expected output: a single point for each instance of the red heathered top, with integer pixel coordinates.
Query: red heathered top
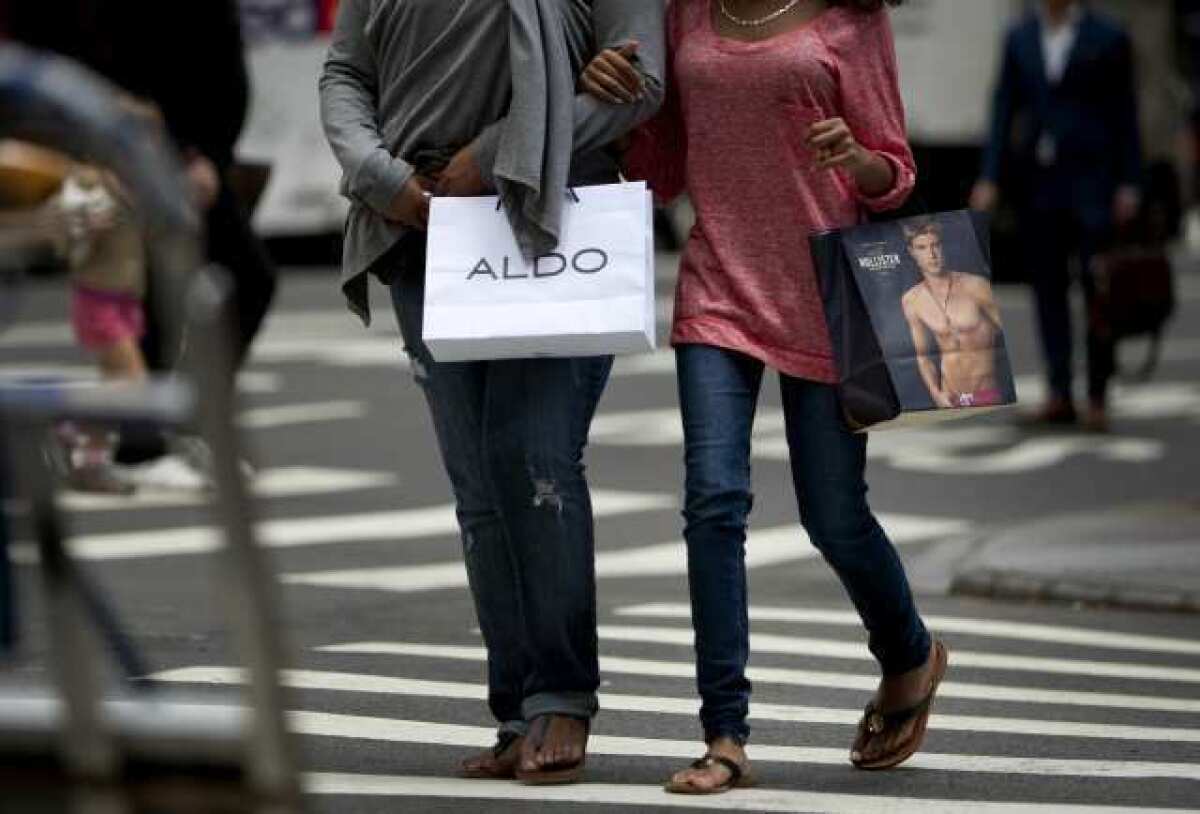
(731, 134)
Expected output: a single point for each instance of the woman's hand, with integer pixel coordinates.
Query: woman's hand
(411, 207)
(611, 77)
(835, 147)
(462, 177)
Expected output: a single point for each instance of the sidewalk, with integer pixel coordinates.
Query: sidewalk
(1143, 556)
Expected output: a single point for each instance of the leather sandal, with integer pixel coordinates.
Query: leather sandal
(739, 777)
(875, 723)
(555, 773)
(497, 763)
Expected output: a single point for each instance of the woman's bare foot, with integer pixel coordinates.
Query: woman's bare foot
(710, 775)
(497, 763)
(554, 750)
(888, 734)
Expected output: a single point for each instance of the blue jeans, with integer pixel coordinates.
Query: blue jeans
(718, 391)
(512, 435)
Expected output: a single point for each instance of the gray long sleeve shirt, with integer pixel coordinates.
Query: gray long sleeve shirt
(412, 80)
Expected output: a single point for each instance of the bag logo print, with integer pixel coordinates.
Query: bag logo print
(584, 261)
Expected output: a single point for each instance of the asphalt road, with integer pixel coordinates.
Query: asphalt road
(1048, 708)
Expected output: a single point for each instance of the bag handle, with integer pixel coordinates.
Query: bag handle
(571, 193)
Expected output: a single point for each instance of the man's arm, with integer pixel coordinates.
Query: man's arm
(929, 371)
(349, 99)
(1127, 127)
(1004, 107)
(596, 123)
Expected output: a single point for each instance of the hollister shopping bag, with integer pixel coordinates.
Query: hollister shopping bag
(916, 329)
(593, 295)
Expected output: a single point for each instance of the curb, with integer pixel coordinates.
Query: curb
(994, 584)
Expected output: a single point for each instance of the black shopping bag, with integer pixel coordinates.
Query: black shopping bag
(917, 334)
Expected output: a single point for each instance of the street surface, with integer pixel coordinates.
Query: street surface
(1047, 707)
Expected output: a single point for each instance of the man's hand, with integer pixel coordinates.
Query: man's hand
(984, 196)
(612, 78)
(1127, 203)
(203, 181)
(462, 177)
(411, 206)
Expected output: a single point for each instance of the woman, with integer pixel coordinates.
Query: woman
(458, 98)
(783, 118)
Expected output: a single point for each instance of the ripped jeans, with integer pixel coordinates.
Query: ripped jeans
(512, 435)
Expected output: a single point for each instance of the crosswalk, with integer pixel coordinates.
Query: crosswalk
(1034, 717)
(1050, 726)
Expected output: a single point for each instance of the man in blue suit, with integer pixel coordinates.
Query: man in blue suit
(1066, 150)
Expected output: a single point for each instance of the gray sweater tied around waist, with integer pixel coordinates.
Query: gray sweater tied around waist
(407, 83)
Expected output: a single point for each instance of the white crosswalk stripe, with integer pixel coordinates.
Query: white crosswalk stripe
(331, 529)
(810, 678)
(666, 705)
(766, 547)
(639, 798)
(991, 628)
(279, 482)
(824, 648)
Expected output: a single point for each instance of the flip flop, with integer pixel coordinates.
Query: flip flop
(739, 778)
(503, 765)
(876, 723)
(556, 773)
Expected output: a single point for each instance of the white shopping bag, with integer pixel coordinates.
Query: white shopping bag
(594, 295)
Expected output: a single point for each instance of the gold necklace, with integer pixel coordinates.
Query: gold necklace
(945, 308)
(761, 21)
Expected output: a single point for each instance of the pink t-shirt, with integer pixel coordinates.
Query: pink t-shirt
(731, 134)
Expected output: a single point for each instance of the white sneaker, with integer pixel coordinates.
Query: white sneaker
(170, 473)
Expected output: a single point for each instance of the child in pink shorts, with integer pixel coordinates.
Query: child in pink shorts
(107, 258)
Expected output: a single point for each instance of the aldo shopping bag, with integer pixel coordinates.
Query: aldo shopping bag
(916, 329)
(593, 295)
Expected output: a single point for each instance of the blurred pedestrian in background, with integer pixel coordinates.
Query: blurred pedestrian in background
(192, 69)
(106, 252)
(1065, 149)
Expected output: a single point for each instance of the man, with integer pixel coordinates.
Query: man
(1065, 147)
(959, 313)
(458, 98)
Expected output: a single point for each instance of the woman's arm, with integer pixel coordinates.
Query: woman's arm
(617, 23)
(870, 142)
(349, 99)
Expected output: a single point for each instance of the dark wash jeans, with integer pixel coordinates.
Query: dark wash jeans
(718, 391)
(512, 435)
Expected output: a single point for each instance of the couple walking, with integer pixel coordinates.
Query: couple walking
(779, 118)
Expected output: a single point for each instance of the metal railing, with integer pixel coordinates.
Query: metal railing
(88, 748)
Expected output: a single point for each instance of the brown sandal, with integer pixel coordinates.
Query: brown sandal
(739, 777)
(876, 723)
(555, 773)
(497, 763)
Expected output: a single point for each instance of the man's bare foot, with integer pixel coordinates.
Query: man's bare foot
(710, 774)
(497, 763)
(554, 750)
(894, 726)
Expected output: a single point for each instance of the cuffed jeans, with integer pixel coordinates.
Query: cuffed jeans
(718, 392)
(512, 435)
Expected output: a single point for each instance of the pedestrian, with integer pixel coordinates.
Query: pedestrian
(106, 252)
(464, 97)
(193, 71)
(1066, 150)
(782, 119)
